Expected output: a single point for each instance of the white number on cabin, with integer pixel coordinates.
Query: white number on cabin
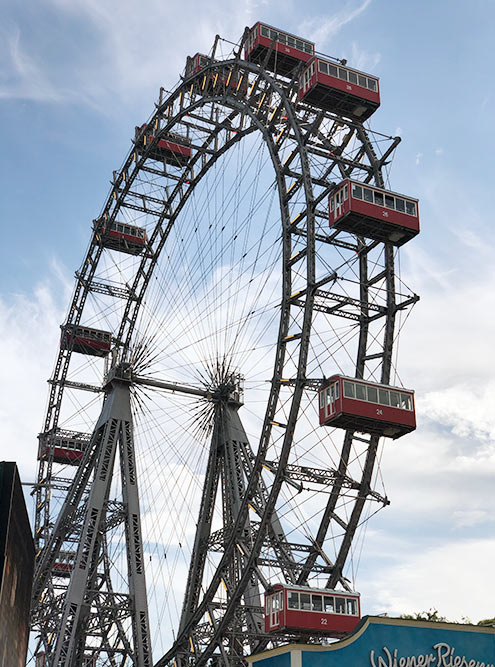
(379, 412)
(323, 621)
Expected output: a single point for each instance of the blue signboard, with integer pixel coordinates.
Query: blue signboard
(390, 642)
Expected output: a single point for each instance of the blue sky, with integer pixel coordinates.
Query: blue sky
(78, 75)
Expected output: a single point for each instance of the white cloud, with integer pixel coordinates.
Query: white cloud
(29, 333)
(435, 494)
(321, 28)
(466, 409)
(440, 478)
(447, 342)
(27, 79)
(467, 518)
(451, 578)
(123, 50)
(363, 60)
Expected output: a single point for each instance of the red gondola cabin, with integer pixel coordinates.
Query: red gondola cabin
(224, 76)
(334, 87)
(173, 148)
(288, 50)
(196, 63)
(369, 211)
(86, 340)
(366, 406)
(64, 563)
(66, 447)
(121, 236)
(308, 610)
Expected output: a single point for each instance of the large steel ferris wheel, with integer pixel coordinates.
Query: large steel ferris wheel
(211, 331)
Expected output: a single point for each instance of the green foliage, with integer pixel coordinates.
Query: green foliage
(433, 615)
(430, 615)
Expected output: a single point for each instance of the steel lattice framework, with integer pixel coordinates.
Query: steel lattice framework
(337, 295)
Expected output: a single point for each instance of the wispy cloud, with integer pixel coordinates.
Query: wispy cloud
(123, 53)
(321, 28)
(363, 60)
(26, 78)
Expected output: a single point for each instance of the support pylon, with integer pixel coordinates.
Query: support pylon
(93, 618)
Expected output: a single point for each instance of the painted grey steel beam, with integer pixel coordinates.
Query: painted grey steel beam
(174, 387)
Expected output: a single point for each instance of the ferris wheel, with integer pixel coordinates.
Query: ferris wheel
(225, 371)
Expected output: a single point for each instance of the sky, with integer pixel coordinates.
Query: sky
(76, 76)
